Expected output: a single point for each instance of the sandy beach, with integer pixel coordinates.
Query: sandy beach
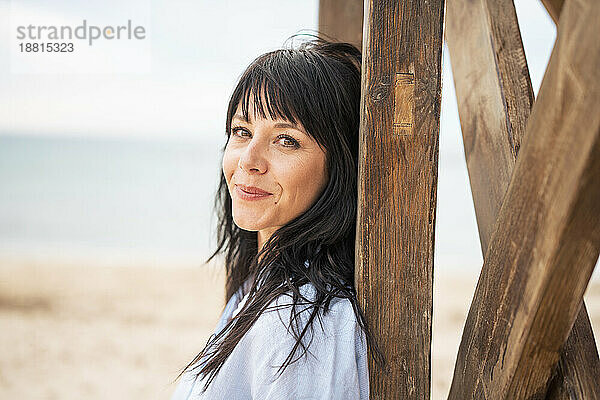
(76, 332)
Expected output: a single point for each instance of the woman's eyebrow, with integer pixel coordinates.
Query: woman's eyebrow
(277, 125)
(241, 117)
(288, 125)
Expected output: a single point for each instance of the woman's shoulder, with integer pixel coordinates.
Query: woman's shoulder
(335, 350)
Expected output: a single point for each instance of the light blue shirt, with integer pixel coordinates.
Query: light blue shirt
(335, 366)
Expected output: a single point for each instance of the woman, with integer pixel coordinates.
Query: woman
(287, 216)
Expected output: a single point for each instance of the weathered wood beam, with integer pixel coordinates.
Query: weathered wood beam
(494, 95)
(547, 236)
(553, 7)
(342, 20)
(397, 188)
(578, 373)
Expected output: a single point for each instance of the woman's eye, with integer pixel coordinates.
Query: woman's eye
(285, 140)
(241, 131)
(288, 141)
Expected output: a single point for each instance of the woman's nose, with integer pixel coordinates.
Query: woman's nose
(253, 157)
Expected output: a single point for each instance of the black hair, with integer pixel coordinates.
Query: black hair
(317, 85)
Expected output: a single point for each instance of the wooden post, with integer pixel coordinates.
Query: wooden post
(397, 188)
(342, 20)
(495, 96)
(547, 236)
(553, 7)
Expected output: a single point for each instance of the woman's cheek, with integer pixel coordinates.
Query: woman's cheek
(229, 164)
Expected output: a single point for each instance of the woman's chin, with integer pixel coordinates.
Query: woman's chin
(248, 224)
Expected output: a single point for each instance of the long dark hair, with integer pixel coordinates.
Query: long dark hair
(317, 84)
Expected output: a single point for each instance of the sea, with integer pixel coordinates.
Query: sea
(115, 201)
(135, 202)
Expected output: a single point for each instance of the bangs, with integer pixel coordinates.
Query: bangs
(268, 101)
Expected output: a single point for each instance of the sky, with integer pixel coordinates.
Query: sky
(175, 83)
(195, 52)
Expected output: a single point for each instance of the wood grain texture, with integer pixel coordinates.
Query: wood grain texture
(398, 164)
(342, 20)
(547, 236)
(553, 7)
(572, 381)
(494, 97)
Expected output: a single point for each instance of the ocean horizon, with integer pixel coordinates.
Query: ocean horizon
(138, 202)
(106, 199)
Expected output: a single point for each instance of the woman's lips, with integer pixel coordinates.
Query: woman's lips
(251, 192)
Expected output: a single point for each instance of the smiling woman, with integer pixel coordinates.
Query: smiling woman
(287, 217)
(274, 172)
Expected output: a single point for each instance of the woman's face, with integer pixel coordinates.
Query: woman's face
(277, 158)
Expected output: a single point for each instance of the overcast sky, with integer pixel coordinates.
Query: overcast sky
(180, 77)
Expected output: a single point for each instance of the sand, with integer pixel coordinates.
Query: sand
(71, 332)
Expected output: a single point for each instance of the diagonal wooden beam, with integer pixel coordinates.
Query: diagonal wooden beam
(494, 97)
(553, 7)
(529, 292)
(578, 373)
(397, 188)
(342, 20)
